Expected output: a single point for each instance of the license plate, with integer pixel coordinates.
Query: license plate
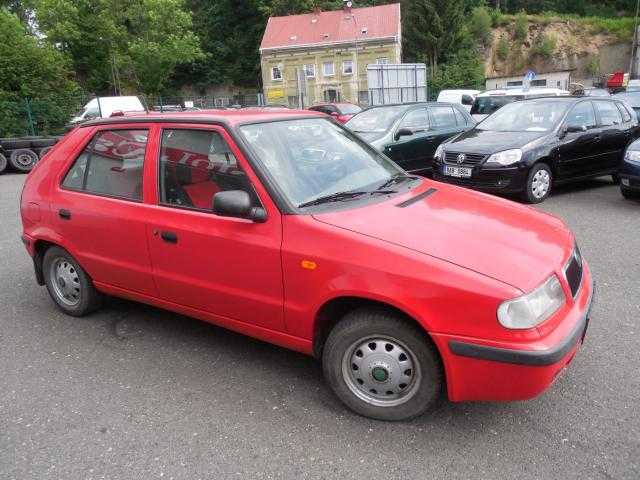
(460, 172)
(626, 182)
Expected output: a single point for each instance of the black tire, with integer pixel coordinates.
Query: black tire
(23, 159)
(44, 151)
(14, 143)
(532, 192)
(3, 163)
(379, 326)
(629, 194)
(616, 178)
(83, 297)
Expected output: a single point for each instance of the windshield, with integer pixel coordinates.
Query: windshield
(375, 120)
(488, 105)
(314, 158)
(538, 116)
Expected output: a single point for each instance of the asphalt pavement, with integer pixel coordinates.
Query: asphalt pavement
(133, 392)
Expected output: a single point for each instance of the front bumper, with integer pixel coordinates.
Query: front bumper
(493, 180)
(481, 371)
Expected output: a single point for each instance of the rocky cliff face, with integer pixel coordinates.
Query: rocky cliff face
(555, 45)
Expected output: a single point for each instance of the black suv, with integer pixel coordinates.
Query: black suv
(527, 147)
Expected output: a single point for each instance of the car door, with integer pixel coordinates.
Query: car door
(97, 208)
(228, 267)
(580, 151)
(411, 151)
(614, 135)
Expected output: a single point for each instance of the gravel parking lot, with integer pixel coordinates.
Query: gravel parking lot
(135, 392)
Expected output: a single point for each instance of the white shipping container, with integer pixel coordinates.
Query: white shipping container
(397, 83)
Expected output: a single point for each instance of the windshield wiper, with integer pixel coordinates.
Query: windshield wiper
(341, 196)
(397, 178)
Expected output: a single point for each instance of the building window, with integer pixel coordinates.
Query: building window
(347, 67)
(517, 83)
(382, 61)
(539, 83)
(328, 69)
(276, 73)
(310, 70)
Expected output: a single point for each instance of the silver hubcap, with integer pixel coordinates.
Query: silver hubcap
(24, 160)
(65, 281)
(540, 184)
(381, 371)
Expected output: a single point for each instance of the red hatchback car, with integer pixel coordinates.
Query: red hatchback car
(287, 227)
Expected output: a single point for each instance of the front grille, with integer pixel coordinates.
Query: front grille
(573, 272)
(469, 158)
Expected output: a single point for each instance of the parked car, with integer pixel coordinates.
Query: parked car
(104, 107)
(462, 97)
(409, 134)
(527, 147)
(630, 172)
(592, 92)
(490, 101)
(342, 112)
(632, 99)
(289, 228)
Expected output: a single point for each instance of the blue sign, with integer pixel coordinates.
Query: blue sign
(530, 75)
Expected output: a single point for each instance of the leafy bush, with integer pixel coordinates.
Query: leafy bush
(502, 48)
(521, 26)
(496, 17)
(544, 45)
(593, 67)
(480, 25)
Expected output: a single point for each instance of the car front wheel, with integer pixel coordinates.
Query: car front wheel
(382, 366)
(538, 184)
(68, 284)
(630, 194)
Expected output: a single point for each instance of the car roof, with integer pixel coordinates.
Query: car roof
(231, 117)
(413, 104)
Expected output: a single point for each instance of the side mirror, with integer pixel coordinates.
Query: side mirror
(573, 129)
(403, 132)
(237, 204)
(467, 100)
(334, 114)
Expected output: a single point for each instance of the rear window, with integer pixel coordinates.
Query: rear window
(443, 117)
(488, 105)
(111, 165)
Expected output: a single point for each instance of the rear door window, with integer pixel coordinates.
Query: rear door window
(194, 166)
(443, 117)
(460, 118)
(417, 119)
(608, 113)
(626, 116)
(111, 165)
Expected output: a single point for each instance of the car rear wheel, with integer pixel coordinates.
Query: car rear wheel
(538, 184)
(69, 286)
(616, 178)
(382, 366)
(3, 163)
(23, 159)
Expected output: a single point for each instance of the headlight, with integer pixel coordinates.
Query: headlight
(508, 157)
(533, 308)
(632, 156)
(439, 152)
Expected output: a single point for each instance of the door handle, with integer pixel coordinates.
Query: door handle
(596, 138)
(64, 214)
(169, 237)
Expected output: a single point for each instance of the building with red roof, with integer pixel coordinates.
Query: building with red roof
(323, 56)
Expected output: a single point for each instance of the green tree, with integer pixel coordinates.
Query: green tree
(463, 67)
(480, 25)
(119, 43)
(521, 26)
(35, 71)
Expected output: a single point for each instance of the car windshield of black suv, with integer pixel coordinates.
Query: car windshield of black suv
(314, 161)
(375, 120)
(537, 116)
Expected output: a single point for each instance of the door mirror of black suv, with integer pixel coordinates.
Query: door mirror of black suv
(575, 128)
(403, 132)
(237, 204)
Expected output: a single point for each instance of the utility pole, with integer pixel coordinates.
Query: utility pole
(633, 67)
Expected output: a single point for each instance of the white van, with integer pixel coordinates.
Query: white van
(103, 107)
(462, 97)
(489, 101)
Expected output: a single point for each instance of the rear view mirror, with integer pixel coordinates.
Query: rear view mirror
(467, 100)
(575, 128)
(237, 204)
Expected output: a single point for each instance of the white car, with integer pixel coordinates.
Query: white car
(463, 97)
(103, 107)
(489, 101)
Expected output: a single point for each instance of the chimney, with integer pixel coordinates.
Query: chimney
(346, 6)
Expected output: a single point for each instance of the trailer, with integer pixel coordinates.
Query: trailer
(397, 83)
(21, 154)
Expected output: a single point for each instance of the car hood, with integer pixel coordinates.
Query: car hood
(486, 142)
(512, 243)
